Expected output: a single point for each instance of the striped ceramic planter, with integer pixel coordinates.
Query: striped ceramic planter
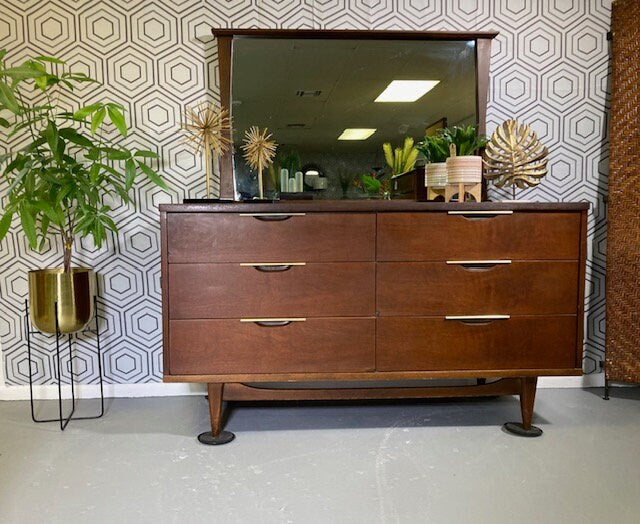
(436, 175)
(464, 170)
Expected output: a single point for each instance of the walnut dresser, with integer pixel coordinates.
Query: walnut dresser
(380, 291)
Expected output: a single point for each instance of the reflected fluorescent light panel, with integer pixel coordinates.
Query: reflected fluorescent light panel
(406, 90)
(356, 134)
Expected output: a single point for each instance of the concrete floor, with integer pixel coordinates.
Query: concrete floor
(432, 461)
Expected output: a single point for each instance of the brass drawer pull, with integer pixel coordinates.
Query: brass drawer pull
(273, 322)
(477, 319)
(272, 217)
(272, 267)
(480, 214)
(478, 264)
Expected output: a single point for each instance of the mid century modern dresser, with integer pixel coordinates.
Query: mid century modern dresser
(346, 291)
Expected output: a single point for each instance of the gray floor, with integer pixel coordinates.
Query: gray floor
(437, 461)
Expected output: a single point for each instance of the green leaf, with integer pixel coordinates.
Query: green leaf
(84, 112)
(97, 119)
(51, 59)
(116, 154)
(117, 117)
(153, 175)
(29, 226)
(3, 52)
(130, 174)
(23, 72)
(51, 134)
(4, 122)
(8, 99)
(5, 224)
(93, 154)
(73, 136)
(146, 154)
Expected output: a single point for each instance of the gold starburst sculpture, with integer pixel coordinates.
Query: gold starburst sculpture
(515, 157)
(259, 151)
(208, 129)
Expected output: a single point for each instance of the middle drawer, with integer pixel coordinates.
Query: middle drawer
(335, 289)
(477, 287)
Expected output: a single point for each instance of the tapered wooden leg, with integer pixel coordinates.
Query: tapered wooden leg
(216, 436)
(527, 399)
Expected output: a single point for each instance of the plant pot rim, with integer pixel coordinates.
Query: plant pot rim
(58, 270)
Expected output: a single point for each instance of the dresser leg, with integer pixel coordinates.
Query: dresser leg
(216, 436)
(527, 398)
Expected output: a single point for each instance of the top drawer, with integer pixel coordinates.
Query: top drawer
(438, 236)
(278, 237)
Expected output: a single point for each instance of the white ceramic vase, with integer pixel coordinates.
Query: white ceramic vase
(464, 170)
(436, 175)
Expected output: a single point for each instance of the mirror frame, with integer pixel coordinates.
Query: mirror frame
(225, 38)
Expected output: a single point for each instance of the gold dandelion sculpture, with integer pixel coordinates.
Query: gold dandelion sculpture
(259, 151)
(208, 128)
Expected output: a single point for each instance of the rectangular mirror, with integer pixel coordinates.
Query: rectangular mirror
(331, 103)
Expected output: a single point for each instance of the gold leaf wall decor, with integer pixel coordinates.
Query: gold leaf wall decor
(515, 157)
(208, 129)
(259, 151)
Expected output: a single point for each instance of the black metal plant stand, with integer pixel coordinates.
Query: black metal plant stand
(62, 420)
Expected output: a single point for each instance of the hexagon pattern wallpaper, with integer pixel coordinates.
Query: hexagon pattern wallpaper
(550, 68)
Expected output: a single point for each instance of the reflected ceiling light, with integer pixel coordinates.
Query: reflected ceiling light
(406, 90)
(356, 134)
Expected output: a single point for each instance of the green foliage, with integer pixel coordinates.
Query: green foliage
(466, 139)
(57, 182)
(402, 159)
(435, 148)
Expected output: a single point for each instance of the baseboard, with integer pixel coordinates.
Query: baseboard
(159, 389)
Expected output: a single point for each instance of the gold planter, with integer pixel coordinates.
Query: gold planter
(73, 292)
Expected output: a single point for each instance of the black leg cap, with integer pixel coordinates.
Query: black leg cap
(515, 428)
(223, 438)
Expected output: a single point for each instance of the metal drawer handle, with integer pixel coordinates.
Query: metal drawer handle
(477, 319)
(269, 267)
(478, 264)
(272, 217)
(273, 322)
(480, 214)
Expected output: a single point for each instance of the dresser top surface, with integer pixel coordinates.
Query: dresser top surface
(355, 206)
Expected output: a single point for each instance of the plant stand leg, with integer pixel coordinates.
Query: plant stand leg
(527, 399)
(606, 389)
(216, 436)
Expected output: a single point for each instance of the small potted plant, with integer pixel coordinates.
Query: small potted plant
(435, 149)
(463, 167)
(57, 183)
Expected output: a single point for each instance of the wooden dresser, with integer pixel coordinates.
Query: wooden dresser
(371, 291)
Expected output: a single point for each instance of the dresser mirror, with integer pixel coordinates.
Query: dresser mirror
(332, 98)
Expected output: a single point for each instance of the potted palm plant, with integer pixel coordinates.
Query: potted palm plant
(57, 183)
(435, 149)
(463, 167)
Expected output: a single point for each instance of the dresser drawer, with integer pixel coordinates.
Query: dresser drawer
(334, 289)
(444, 236)
(260, 237)
(440, 288)
(232, 346)
(433, 344)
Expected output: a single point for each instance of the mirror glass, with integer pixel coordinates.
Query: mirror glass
(330, 104)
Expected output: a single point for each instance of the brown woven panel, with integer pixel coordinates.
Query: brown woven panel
(623, 239)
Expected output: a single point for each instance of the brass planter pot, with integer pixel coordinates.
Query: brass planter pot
(73, 292)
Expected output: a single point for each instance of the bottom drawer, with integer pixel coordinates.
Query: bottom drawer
(200, 347)
(433, 344)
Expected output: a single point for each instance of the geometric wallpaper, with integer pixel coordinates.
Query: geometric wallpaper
(549, 68)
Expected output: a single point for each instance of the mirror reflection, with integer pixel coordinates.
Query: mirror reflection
(331, 105)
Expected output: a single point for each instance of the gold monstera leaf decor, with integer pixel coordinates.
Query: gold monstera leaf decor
(515, 157)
